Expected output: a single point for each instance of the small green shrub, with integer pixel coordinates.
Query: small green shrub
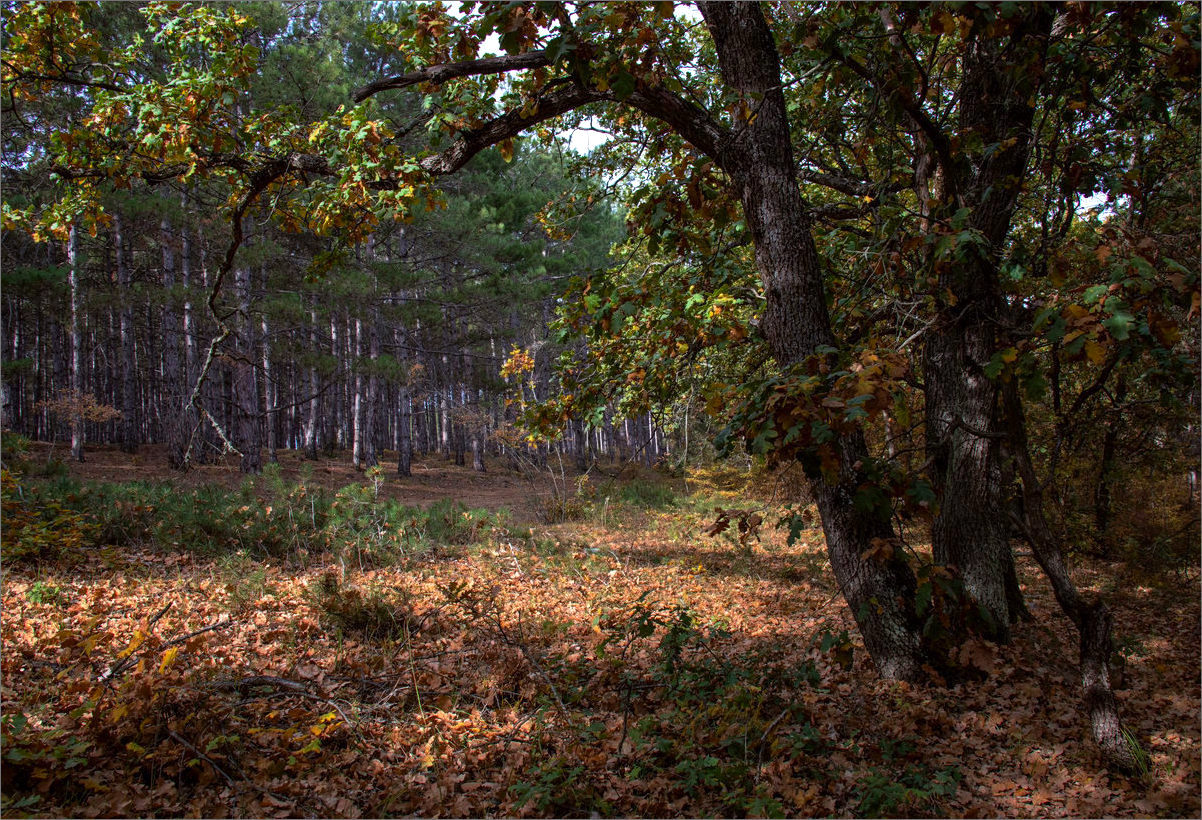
(13, 450)
(41, 592)
(889, 792)
(559, 789)
(39, 524)
(648, 495)
(245, 580)
(373, 614)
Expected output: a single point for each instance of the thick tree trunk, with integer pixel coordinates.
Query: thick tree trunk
(879, 590)
(970, 530)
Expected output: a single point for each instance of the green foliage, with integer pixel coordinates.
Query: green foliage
(374, 614)
(1143, 762)
(13, 450)
(39, 525)
(49, 756)
(368, 530)
(245, 580)
(647, 495)
(43, 592)
(712, 725)
(557, 788)
(907, 791)
(266, 518)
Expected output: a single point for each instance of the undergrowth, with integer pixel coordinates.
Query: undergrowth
(266, 518)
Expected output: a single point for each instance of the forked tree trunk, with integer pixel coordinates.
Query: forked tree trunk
(997, 94)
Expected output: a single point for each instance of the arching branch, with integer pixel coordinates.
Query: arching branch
(439, 74)
(566, 94)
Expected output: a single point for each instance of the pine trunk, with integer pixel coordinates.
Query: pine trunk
(248, 432)
(77, 429)
(404, 438)
(129, 371)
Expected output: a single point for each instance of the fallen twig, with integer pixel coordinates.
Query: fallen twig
(202, 756)
(293, 687)
(127, 663)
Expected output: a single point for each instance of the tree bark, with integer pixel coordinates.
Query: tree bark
(77, 428)
(970, 531)
(248, 431)
(879, 590)
(310, 434)
(177, 430)
(372, 398)
(1093, 619)
(1101, 498)
(270, 393)
(404, 466)
(580, 445)
(129, 372)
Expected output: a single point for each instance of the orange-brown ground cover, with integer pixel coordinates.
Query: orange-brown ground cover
(624, 664)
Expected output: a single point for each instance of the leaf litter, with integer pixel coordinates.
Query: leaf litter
(638, 668)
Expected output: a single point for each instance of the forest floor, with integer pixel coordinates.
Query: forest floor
(620, 664)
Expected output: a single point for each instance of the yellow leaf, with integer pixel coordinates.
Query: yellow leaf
(168, 658)
(1095, 351)
(138, 639)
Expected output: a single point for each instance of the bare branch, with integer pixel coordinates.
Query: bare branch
(439, 74)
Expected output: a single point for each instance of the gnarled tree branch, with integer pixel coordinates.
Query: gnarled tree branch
(439, 74)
